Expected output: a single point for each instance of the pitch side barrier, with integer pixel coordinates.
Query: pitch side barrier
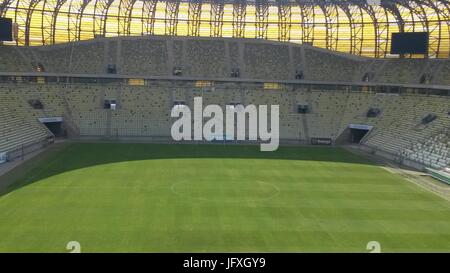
(439, 175)
(25, 149)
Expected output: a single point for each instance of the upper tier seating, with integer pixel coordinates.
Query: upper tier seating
(212, 58)
(143, 57)
(327, 66)
(11, 60)
(79, 58)
(402, 71)
(443, 74)
(204, 58)
(267, 61)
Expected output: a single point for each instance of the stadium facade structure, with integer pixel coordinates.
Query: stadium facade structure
(73, 85)
(351, 26)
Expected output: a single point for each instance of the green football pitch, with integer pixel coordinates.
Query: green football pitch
(113, 197)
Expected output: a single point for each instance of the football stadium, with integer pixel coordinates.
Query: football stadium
(334, 134)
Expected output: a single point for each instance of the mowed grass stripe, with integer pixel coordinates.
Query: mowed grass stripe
(303, 198)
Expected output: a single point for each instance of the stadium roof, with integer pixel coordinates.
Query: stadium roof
(353, 26)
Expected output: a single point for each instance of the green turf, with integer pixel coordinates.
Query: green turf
(206, 198)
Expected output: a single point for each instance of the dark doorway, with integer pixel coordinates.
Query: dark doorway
(55, 128)
(356, 135)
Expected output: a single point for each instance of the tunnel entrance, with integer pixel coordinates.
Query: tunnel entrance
(54, 125)
(358, 132)
(356, 135)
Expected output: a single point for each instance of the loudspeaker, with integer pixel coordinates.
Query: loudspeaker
(177, 71)
(111, 69)
(429, 118)
(373, 112)
(36, 104)
(302, 108)
(235, 73)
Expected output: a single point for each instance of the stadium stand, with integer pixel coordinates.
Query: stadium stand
(18, 126)
(80, 58)
(213, 58)
(144, 111)
(401, 71)
(142, 57)
(267, 61)
(399, 127)
(324, 65)
(143, 106)
(12, 60)
(442, 74)
(205, 58)
(433, 152)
